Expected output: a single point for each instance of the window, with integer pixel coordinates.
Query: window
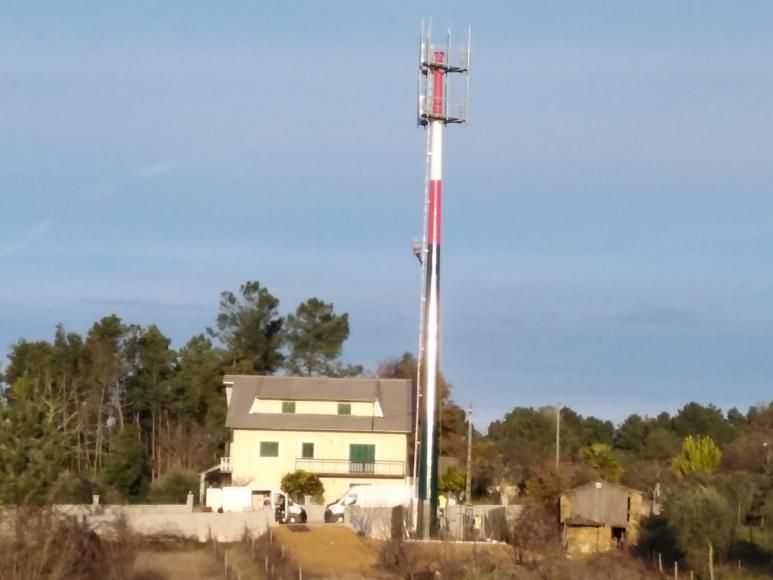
(307, 450)
(362, 458)
(269, 448)
(288, 406)
(344, 408)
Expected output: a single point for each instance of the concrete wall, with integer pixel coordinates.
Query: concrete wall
(249, 469)
(156, 520)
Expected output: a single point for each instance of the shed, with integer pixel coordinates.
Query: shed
(599, 516)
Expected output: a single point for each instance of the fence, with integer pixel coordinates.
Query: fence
(673, 570)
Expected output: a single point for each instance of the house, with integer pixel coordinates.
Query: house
(347, 431)
(599, 516)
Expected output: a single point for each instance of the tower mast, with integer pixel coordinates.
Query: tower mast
(435, 112)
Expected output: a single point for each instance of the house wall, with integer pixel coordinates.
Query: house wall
(249, 469)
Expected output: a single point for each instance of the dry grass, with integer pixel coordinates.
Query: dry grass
(191, 564)
(37, 544)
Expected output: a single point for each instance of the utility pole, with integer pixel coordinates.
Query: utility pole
(558, 436)
(468, 481)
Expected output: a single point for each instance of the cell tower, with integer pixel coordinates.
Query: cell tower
(436, 109)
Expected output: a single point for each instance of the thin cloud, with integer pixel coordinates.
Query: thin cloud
(29, 237)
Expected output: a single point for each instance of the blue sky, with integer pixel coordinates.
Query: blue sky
(608, 211)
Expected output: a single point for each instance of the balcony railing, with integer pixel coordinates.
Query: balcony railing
(225, 465)
(352, 468)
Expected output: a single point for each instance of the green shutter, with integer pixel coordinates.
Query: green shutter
(288, 406)
(307, 451)
(362, 458)
(344, 408)
(269, 449)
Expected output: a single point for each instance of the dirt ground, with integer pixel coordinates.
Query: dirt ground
(337, 552)
(333, 552)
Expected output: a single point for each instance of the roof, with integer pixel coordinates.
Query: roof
(602, 485)
(395, 397)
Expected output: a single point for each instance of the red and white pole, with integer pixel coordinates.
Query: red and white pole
(428, 475)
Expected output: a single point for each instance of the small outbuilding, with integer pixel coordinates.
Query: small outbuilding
(598, 517)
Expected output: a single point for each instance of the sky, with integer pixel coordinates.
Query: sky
(608, 211)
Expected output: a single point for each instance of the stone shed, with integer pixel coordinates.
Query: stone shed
(599, 516)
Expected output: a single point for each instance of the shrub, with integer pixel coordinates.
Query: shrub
(173, 486)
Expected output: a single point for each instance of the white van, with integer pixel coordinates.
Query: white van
(368, 496)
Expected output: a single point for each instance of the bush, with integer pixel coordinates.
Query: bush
(173, 486)
(71, 488)
(301, 483)
(535, 533)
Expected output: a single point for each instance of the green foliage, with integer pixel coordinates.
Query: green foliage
(126, 468)
(525, 437)
(250, 327)
(452, 481)
(173, 486)
(702, 521)
(300, 483)
(698, 455)
(315, 335)
(630, 436)
(695, 419)
(660, 443)
(604, 460)
(32, 450)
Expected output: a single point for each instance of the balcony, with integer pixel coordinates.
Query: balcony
(352, 468)
(225, 465)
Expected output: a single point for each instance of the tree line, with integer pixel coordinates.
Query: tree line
(120, 409)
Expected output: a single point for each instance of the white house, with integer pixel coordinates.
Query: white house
(347, 431)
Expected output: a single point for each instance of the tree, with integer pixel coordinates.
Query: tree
(695, 419)
(741, 490)
(660, 443)
(703, 522)
(630, 436)
(597, 431)
(300, 483)
(32, 450)
(698, 455)
(525, 438)
(452, 482)
(250, 327)
(126, 465)
(603, 460)
(148, 390)
(545, 483)
(315, 335)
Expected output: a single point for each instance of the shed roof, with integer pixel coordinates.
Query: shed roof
(395, 397)
(602, 484)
